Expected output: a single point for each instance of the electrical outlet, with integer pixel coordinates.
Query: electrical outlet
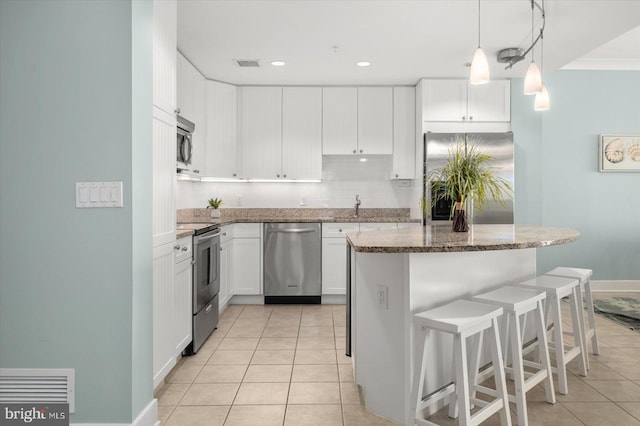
(382, 293)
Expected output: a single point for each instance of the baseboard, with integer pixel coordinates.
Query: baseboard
(334, 299)
(240, 299)
(147, 417)
(616, 285)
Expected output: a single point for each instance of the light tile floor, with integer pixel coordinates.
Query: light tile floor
(285, 365)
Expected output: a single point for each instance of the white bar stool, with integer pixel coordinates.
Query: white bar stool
(557, 288)
(517, 302)
(584, 275)
(462, 319)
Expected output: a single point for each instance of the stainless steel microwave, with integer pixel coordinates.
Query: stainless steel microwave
(184, 145)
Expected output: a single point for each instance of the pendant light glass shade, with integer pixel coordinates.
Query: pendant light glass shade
(542, 102)
(479, 73)
(532, 80)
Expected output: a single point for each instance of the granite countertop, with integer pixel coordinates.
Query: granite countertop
(181, 233)
(440, 238)
(258, 215)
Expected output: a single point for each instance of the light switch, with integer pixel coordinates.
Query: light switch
(98, 194)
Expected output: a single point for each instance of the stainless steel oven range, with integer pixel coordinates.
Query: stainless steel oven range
(206, 284)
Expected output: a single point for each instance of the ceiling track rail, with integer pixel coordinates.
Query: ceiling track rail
(540, 7)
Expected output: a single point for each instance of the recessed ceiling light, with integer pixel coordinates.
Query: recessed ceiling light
(278, 63)
(363, 64)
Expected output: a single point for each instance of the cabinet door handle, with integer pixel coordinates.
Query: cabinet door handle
(396, 175)
(176, 247)
(177, 110)
(234, 175)
(185, 248)
(464, 117)
(224, 234)
(360, 151)
(471, 117)
(196, 171)
(284, 176)
(354, 151)
(277, 175)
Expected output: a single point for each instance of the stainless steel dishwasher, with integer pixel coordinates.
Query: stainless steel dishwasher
(292, 263)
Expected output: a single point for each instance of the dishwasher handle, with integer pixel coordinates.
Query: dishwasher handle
(294, 230)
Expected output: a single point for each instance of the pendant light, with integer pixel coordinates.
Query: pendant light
(479, 73)
(533, 78)
(542, 102)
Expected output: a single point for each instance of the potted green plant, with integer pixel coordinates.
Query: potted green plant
(467, 176)
(214, 205)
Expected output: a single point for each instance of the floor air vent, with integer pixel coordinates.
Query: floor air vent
(247, 62)
(37, 385)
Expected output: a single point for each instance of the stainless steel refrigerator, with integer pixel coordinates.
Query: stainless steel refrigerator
(436, 153)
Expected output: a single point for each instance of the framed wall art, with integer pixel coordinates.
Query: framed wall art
(619, 153)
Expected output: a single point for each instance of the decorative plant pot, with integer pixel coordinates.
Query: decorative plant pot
(460, 223)
(215, 213)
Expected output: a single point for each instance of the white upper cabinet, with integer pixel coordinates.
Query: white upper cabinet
(490, 102)
(445, 100)
(357, 120)
(261, 131)
(222, 129)
(404, 133)
(281, 132)
(191, 104)
(164, 177)
(459, 101)
(164, 121)
(339, 120)
(375, 120)
(164, 54)
(302, 133)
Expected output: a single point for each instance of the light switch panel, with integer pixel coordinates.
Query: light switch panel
(98, 194)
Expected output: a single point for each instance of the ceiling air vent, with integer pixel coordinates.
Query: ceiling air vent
(247, 63)
(37, 385)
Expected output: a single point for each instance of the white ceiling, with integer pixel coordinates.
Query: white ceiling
(403, 39)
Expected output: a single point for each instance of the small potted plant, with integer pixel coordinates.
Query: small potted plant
(214, 205)
(467, 176)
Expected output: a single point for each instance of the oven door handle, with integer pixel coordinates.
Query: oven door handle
(208, 237)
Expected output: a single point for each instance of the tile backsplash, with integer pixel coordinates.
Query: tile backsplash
(343, 178)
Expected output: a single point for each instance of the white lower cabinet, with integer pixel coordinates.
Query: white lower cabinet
(334, 256)
(172, 299)
(377, 226)
(247, 266)
(226, 265)
(240, 260)
(163, 276)
(182, 304)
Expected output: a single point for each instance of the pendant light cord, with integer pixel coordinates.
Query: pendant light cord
(532, 43)
(478, 23)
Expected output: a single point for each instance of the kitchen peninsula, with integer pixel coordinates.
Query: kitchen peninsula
(395, 274)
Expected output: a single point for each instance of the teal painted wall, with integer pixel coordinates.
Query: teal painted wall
(557, 177)
(67, 275)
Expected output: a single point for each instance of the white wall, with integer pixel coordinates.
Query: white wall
(342, 178)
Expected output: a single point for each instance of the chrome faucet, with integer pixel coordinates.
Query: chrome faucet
(357, 206)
